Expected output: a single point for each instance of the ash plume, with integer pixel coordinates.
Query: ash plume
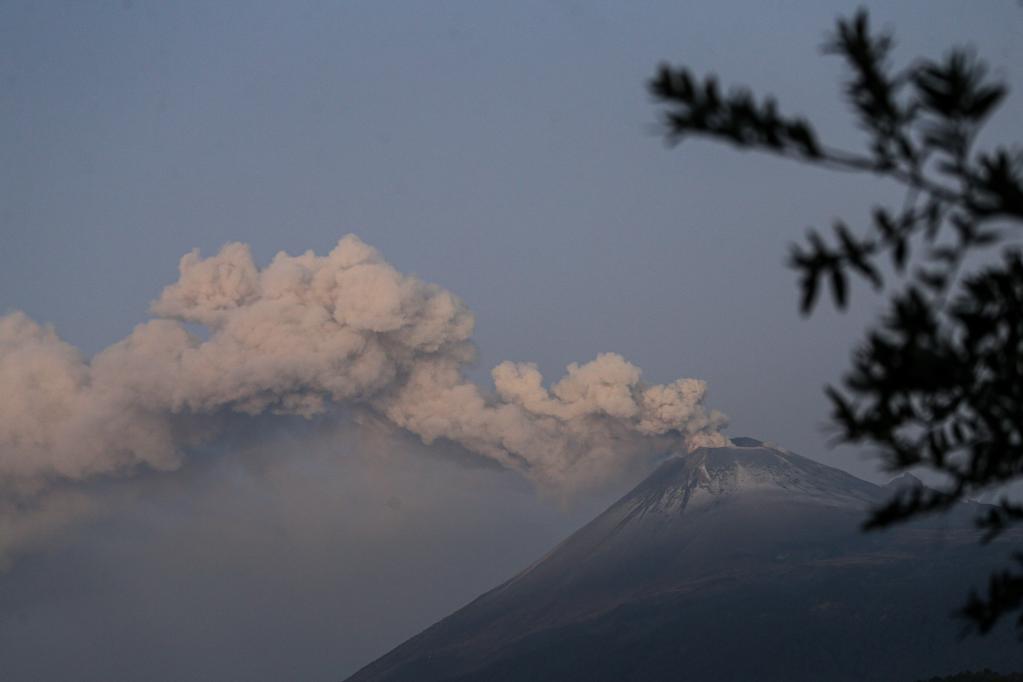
(295, 337)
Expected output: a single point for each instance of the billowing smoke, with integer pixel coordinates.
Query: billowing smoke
(299, 335)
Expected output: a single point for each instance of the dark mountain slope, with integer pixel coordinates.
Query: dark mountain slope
(732, 563)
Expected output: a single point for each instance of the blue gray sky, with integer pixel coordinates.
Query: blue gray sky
(504, 151)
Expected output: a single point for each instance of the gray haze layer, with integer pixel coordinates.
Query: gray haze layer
(301, 555)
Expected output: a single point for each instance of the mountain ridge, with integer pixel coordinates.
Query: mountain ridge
(749, 526)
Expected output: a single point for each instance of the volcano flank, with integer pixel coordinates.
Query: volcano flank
(735, 563)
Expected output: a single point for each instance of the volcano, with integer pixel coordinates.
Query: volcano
(738, 563)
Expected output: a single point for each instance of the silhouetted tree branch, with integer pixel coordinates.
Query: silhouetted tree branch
(938, 381)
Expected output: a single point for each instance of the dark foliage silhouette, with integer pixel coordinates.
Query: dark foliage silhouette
(938, 380)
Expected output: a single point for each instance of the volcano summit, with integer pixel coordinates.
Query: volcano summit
(744, 562)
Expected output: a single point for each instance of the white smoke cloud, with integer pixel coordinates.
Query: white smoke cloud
(590, 425)
(302, 333)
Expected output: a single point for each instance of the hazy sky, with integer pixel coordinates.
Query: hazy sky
(502, 150)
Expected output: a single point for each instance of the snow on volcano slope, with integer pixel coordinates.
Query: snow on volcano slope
(749, 546)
